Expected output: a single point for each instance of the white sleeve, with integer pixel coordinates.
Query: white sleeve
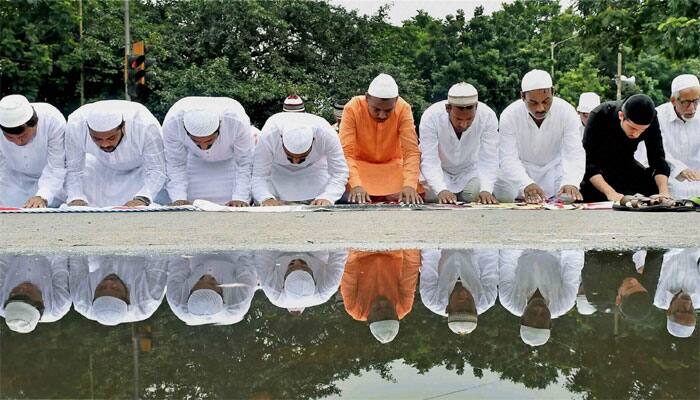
(512, 168)
(429, 276)
(337, 167)
(175, 160)
(244, 150)
(430, 164)
(488, 153)
(262, 168)
(75, 161)
(60, 295)
(573, 157)
(54, 173)
(153, 162)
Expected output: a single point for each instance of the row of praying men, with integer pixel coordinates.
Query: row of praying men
(116, 152)
(377, 288)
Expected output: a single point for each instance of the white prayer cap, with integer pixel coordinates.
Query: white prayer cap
(109, 310)
(21, 317)
(384, 331)
(204, 302)
(684, 81)
(15, 110)
(462, 94)
(462, 323)
(104, 117)
(293, 103)
(298, 139)
(587, 102)
(679, 330)
(200, 123)
(536, 79)
(534, 336)
(299, 285)
(383, 87)
(583, 306)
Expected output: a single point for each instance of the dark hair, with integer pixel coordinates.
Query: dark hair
(636, 306)
(39, 305)
(17, 130)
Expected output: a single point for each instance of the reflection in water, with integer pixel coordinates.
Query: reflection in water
(116, 289)
(211, 288)
(459, 285)
(33, 289)
(538, 286)
(606, 324)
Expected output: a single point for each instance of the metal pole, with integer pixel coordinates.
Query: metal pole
(82, 71)
(135, 352)
(619, 73)
(551, 55)
(127, 49)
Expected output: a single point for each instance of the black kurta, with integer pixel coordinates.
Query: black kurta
(610, 153)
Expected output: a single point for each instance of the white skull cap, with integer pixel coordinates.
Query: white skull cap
(298, 139)
(384, 331)
(15, 110)
(200, 123)
(536, 79)
(383, 87)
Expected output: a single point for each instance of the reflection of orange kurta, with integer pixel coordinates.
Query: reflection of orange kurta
(382, 157)
(392, 274)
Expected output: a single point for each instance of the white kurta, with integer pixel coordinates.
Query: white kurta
(135, 168)
(682, 147)
(49, 274)
(551, 155)
(555, 274)
(448, 163)
(37, 168)
(234, 270)
(327, 270)
(476, 269)
(322, 175)
(679, 271)
(222, 172)
(144, 277)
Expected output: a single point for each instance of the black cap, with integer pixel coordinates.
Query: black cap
(639, 109)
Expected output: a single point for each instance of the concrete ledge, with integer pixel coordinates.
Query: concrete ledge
(166, 232)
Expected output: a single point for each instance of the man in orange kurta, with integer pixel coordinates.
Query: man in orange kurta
(379, 287)
(380, 144)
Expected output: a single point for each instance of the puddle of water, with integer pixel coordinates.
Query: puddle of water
(427, 324)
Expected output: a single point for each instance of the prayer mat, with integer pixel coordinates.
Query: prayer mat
(72, 209)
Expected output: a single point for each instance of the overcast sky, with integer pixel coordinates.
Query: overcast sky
(405, 9)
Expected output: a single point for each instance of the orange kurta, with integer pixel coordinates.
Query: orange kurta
(382, 157)
(392, 274)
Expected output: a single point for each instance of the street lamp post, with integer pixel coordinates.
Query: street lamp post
(552, 45)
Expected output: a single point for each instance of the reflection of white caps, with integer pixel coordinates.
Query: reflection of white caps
(583, 306)
(204, 302)
(587, 102)
(104, 117)
(684, 81)
(200, 123)
(384, 331)
(679, 330)
(21, 317)
(298, 139)
(462, 94)
(462, 323)
(383, 87)
(534, 336)
(536, 79)
(15, 110)
(109, 310)
(298, 285)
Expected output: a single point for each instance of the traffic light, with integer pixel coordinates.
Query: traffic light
(136, 70)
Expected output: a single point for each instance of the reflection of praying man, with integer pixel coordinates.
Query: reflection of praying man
(678, 291)
(538, 286)
(379, 287)
(459, 284)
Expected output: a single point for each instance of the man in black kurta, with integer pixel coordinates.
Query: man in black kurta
(610, 139)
